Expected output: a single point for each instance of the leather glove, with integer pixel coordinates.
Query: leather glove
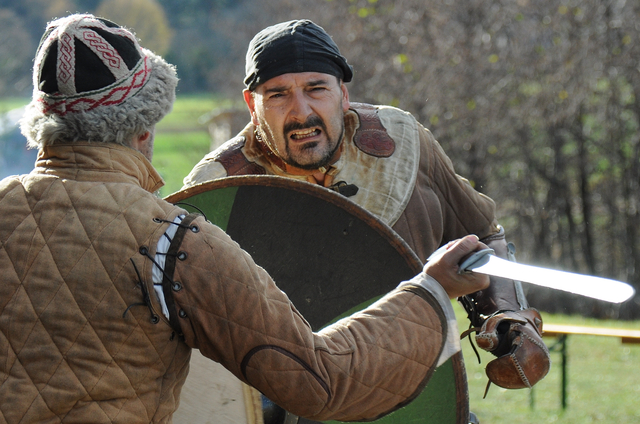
(515, 338)
(507, 327)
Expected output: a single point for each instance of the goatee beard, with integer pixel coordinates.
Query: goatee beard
(313, 121)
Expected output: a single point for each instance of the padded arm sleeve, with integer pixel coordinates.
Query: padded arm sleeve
(362, 367)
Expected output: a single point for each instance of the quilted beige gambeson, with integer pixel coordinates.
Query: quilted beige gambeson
(70, 234)
(81, 339)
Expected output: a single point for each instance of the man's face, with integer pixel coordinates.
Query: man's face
(300, 116)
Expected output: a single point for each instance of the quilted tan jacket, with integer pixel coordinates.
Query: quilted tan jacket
(77, 342)
(82, 338)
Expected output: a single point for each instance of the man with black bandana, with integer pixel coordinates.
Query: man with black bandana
(303, 126)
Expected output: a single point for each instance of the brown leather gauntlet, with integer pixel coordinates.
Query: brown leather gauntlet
(507, 327)
(523, 358)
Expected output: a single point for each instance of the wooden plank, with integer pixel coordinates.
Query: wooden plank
(627, 336)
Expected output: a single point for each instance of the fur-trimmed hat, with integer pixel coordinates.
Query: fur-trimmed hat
(94, 82)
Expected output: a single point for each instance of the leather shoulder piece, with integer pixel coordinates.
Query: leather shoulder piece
(372, 138)
(234, 161)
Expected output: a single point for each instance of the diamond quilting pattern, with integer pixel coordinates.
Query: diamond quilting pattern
(67, 279)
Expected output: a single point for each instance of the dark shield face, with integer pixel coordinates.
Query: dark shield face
(330, 257)
(323, 250)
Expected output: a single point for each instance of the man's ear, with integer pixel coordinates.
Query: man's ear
(145, 136)
(144, 144)
(345, 97)
(250, 101)
(140, 140)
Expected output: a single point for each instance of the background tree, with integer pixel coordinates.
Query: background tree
(14, 63)
(145, 17)
(537, 102)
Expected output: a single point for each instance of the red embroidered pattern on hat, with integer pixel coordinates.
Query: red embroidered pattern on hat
(116, 94)
(99, 46)
(66, 59)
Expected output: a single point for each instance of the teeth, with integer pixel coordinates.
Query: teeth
(304, 133)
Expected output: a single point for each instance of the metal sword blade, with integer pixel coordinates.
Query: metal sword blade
(586, 285)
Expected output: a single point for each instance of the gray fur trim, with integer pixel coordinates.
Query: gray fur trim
(107, 124)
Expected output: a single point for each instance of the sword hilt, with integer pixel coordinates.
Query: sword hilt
(467, 264)
(475, 260)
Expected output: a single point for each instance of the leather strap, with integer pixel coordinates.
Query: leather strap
(235, 162)
(169, 285)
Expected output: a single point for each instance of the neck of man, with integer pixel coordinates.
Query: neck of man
(319, 175)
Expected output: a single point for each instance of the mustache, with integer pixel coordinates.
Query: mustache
(312, 121)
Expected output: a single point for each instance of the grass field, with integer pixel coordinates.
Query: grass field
(604, 381)
(182, 139)
(9, 103)
(603, 384)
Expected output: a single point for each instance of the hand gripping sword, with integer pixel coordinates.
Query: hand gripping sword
(486, 262)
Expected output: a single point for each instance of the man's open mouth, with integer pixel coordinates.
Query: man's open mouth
(302, 134)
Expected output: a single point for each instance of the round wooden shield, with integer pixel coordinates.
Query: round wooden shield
(332, 258)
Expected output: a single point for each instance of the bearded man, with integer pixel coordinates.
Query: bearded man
(303, 126)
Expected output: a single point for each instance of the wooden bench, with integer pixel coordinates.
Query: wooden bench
(562, 332)
(556, 330)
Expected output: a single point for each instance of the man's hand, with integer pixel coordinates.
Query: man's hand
(445, 269)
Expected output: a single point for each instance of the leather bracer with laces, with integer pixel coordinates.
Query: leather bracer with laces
(507, 327)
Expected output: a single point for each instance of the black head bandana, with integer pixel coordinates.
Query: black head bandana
(292, 47)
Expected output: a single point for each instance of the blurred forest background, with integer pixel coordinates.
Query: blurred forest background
(537, 102)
